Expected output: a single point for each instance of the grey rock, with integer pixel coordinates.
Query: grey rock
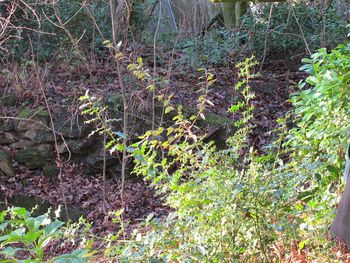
(84, 146)
(6, 164)
(81, 145)
(39, 136)
(22, 144)
(35, 121)
(30, 124)
(62, 147)
(7, 125)
(45, 149)
(71, 127)
(33, 158)
(6, 138)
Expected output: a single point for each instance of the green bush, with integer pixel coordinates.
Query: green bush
(291, 25)
(48, 41)
(233, 205)
(227, 205)
(321, 135)
(284, 39)
(22, 235)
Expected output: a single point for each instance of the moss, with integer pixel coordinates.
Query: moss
(211, 119)
(115, 102)
(50, 170)
(40, 114)
(214, 120)
(33, 158)
(8, 100)
(24, 113)
(3, 155)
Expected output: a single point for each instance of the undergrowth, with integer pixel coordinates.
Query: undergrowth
(234, 205)
(292, 30)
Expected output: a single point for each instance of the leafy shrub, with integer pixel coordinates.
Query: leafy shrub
(228, 204)
(20, 232)
(289, 28)
(232, 205)
(212, 49)
(322, 134)
(46, 40)
(292, 25)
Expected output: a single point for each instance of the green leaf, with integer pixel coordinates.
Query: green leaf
(3, 226)
(33, 223)
(312, 80)
(168, 109)
(77, 256)
(9, 251)
(33, 235)
(120, 134)
(20, 212)
(332, 169)
(53, 227)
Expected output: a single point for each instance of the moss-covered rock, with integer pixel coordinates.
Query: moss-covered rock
(33, 120)
(71, 126)
(212, 120)
(115, 102)
(83, 146)
(7, 125)
(33, 158)
(6, 163)
(50, 170)
(220, 127)
(39, 136)
(6, 138)
(9, 100)
(22, 144)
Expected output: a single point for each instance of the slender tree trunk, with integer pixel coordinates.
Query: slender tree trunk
(113, 10)
(228, 9)
(120, 17)
(233, 10)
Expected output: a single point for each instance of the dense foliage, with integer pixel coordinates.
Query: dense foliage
(48, 28)
(234, 204)
(228, 206)
(24, 238)
(290, 30)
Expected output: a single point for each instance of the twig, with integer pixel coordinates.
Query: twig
(154, 64)
(301, 30)
(266, 36)
(125, 106)
(59, 162)
(104, 168)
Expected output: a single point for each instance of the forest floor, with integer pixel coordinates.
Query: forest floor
(272, 90)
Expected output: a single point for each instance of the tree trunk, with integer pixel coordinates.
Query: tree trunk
(233, 12)
(228, 10)
(119, 18)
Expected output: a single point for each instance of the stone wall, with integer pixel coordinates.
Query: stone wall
(30, 140)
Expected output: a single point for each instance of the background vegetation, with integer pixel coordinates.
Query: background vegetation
(234, 203)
